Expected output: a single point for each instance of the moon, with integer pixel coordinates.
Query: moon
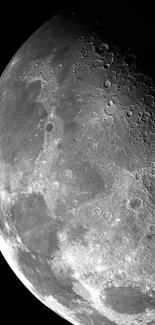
(77, 175)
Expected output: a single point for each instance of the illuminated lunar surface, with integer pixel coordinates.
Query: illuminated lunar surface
(77, 176)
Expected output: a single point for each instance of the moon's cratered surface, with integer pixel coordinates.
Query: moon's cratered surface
(77, 176)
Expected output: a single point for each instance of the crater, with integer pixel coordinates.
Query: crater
(107, 215)
(135, 203)
(49, 127)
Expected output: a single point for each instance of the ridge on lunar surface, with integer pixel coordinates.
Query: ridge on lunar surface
(77, 176)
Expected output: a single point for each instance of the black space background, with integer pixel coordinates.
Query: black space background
(130, 25)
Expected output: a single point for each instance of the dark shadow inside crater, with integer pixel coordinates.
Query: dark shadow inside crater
(49, 127)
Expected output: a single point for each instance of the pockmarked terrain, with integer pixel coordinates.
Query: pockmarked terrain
(77, 176)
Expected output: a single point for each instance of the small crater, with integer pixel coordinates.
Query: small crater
(81, 38)
(110, 103)
(135, 203)
(111, 108)
(152, 228)
(150, 238)
(94, 116)
(55, 185)
(109, 121)
(110, 57)
(112, 74)
(130, 59)
(140, 114)
(129, 113)
(149, 99)
(97, 211)
(106, 66)
(118, 87)
(68, 173)
(85, 53)
(107, 215)
(101, 48)
(145, 118)
(49, 127)
(107, 84)
(120, 275)
(127, 259)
